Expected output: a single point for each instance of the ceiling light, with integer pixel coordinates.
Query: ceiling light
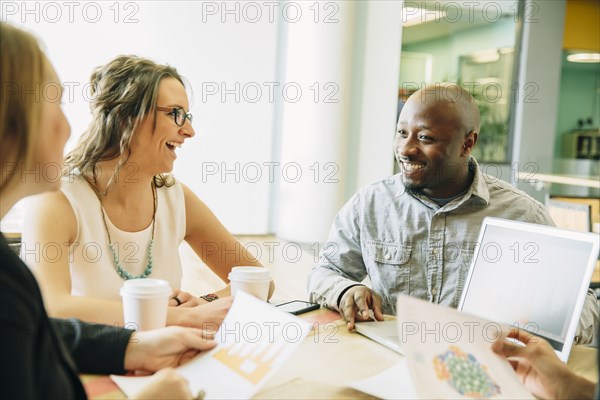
(412, 16)
(584, 57)
(485, 56)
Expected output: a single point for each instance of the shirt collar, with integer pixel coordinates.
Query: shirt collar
(479, 187)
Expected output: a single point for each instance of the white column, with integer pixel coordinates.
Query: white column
(379, 91)
(539, 88)
(313, 140)
(342, 137)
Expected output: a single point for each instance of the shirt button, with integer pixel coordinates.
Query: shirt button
(435, 250)
(434, 291)
(387, 256)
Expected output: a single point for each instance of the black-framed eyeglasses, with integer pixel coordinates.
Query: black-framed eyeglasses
(179, 115)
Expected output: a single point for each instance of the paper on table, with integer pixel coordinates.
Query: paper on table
(393, 383)
(254, 340)
(449, 353)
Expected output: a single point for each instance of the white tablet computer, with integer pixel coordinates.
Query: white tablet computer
(532, 276)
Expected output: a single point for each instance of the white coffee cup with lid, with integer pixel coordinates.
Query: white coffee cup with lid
(145, 303)
(252, 280)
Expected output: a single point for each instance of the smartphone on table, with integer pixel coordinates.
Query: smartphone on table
(298, 307)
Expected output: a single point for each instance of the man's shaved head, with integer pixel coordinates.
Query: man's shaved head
(456, 97)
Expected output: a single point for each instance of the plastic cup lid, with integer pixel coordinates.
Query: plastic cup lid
(146, 287)
(250, 273)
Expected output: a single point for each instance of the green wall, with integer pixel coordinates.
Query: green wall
(579, 84)
(446, 51)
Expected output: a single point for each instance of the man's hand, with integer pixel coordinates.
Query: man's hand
(356, 303)
(540, 370)
(168, 347)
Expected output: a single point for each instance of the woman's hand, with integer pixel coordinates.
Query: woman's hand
(209, 316)
(168, 347)
(540, 370)
(225, 292)
(166, 384)
(183, 299)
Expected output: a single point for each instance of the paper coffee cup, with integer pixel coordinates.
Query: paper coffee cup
(252, 280)
(145, 303)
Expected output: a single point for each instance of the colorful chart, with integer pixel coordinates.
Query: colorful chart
(465, 374)
(248, 361)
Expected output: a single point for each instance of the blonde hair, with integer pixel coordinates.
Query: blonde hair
(123, 93)
(24, 70)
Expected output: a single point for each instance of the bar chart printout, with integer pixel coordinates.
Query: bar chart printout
(254, 340)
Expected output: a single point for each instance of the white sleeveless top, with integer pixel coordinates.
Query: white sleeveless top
(93, 272)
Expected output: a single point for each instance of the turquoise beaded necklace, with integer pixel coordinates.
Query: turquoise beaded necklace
(123, 273)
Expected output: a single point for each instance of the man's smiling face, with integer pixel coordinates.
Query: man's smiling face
(433, 144)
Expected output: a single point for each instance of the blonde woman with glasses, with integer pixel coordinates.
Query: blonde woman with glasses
(119, 214)
(42, 357)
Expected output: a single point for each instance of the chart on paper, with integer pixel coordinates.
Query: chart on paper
(253, 341)
(250, 361)
(464, 374)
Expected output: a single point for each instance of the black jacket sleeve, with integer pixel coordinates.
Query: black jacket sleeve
(35, 363)
(96, 349)
(41, 359)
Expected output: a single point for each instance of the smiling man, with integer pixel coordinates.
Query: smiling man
(437, 130)
(415, 233)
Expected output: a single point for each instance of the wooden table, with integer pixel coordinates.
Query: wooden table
(328, 359)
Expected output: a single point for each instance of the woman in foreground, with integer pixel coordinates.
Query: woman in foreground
(42, 358)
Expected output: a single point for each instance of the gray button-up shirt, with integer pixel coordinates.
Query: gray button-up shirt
(407, 244)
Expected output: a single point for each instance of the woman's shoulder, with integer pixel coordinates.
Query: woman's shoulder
(186, 192)
(49, 206)
(170, 190)
(54, 200)
(73, 181)
(51, 211)
(192, 201)
(77, 190)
